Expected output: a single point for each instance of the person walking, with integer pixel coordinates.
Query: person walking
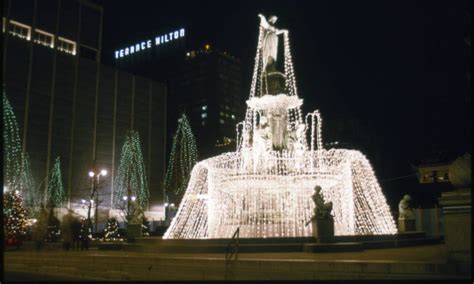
(76, 233)
(84, 234)
(66, 229)
(40, 229)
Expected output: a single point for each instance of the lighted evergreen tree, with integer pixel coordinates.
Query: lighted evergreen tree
(182, 158)
(12, 146)
(56, 195)
(131, 179)
(16, 165)
(111, 231)
(27, 186)
(14, 216)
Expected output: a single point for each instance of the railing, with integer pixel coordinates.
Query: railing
(232, 251)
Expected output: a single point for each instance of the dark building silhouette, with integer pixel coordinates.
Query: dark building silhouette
(208, 87)
(205, 83)
(70, 105)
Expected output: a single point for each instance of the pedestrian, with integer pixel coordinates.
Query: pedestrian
(76, 232)
(84, 234)
(66, 229)
(40, 229)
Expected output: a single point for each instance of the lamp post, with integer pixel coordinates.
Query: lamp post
(128, 198)
(95, 182)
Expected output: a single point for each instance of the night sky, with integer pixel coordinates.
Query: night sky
(397, 67)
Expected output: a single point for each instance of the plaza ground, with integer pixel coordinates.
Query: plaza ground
(418, 262)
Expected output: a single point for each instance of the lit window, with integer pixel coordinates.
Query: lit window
(203, 115)
(226, 115)
(227, 107)
(4, 24)
(66, 45)
(20, 30)
(221, 121)
(204, 107)
(222, 113)
(203, 123)
(44, 38)
(233, 116)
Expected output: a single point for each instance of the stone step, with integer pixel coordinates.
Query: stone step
(403, 242)
(333, 247)
(219, 246)
(243, 248)
(357, 238)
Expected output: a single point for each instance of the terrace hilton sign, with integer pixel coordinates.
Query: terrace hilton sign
(161, 39)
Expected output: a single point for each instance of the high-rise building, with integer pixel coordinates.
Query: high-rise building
(205, 83)
(68, 104)
(208, 88)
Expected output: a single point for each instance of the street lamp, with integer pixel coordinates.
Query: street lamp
(95, 182)
(128, 199)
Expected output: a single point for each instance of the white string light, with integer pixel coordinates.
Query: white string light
(267, 192)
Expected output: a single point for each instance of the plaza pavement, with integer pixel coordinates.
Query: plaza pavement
(418, 262)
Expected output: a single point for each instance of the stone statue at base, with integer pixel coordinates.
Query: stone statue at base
(405, 211)
(406, 217)
(322, 220)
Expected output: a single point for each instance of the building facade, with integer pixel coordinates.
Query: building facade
(68, 104)
(208, 88)
(204, 83)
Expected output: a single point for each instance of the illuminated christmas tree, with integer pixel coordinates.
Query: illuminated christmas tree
(12, 146)
(56, 195)
(111, 232)
(27, 187)
(182, 159)
(14, 216)
(17, 173)
(131, 179)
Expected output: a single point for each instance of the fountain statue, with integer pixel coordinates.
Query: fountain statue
(265, 187)
(406, 217)
(322, 209)
(322, 220)
(405, 211)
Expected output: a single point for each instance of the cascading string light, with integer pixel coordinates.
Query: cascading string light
(183, 157)
(131, 172)
(12, 145)
(16, 163)
(56, 195)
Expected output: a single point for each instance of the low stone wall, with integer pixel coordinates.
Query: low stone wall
(122, 266)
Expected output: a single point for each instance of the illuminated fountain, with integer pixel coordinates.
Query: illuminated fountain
(265, 186)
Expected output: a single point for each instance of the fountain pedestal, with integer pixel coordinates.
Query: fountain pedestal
(406, 225)
(323, 230)
(134, 231)
(457, 211)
